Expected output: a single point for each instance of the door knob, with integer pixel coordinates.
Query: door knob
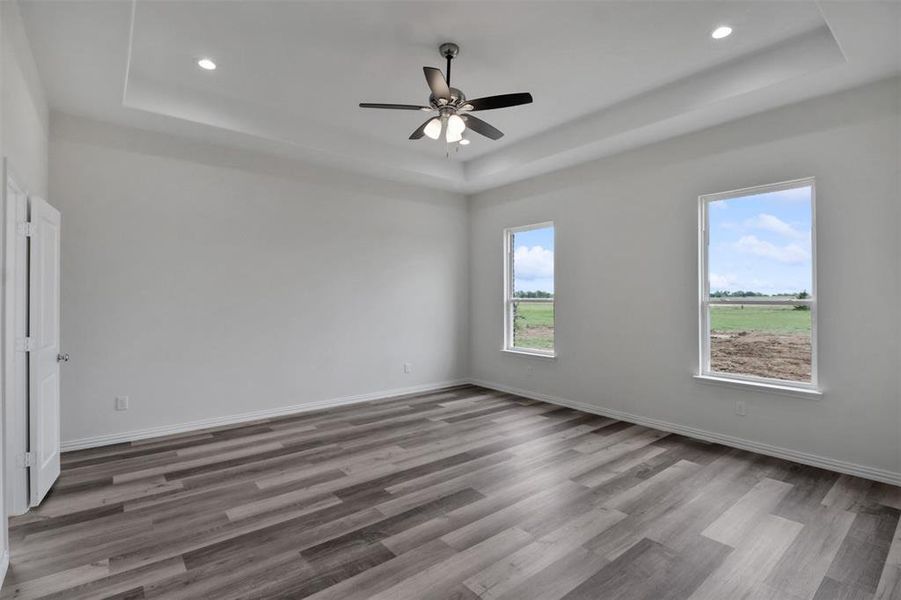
(62, 357)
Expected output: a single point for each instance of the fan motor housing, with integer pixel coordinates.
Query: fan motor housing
(457, 97)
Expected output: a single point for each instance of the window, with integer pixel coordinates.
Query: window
(758, 285)
(529, 289)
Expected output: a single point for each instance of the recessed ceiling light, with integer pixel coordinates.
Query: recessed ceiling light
(206, 64)
(464, 142)
(721, 32)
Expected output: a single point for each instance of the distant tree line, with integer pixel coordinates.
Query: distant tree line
(538, 294)
(749, 294)
(736, 294)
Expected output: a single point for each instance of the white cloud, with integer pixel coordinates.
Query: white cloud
(731, 282)
(790, 253)
(722, 282)
(533, 263)
(776, 225)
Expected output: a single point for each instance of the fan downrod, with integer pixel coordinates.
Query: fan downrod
(449, 50)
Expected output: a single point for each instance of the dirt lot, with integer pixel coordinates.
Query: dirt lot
(538, 337)
(784, 356)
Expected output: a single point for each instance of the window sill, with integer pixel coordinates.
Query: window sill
(785, 390)
(528, 353)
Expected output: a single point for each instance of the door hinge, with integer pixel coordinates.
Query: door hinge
(25, 344)
(30, 459)
(26, 229)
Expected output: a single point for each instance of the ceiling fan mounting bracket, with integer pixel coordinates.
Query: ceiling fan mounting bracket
(449, 50)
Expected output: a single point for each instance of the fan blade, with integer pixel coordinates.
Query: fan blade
(420, 131)
(437, 83)
(394, 106)
(483, 128)
(502, 101)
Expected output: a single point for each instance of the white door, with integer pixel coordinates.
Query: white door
(43, 346)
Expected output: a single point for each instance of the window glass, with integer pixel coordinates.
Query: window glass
(530, 302)
(759, 304)
(761, 243)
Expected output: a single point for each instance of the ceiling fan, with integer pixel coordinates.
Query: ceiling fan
(453, 108)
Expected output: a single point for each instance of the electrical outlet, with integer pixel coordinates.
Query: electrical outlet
(408, 367)
(740, 408)
(121, 402)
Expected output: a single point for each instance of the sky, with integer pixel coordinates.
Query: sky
(533, 260)
(761, 243)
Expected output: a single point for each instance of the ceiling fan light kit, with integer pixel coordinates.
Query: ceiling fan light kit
(452, 106)
(433, 128)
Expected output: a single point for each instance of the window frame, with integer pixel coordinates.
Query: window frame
(509, 298)
(704, 303)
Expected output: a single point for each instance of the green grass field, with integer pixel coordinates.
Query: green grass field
(772, 319)
(534, 325)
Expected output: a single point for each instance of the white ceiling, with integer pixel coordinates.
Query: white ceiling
(606, 76)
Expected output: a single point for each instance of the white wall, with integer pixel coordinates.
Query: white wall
(23, 142)
(205, 282)
(24, 114)
(627, 280)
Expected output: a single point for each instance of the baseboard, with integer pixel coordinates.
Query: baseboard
(813, 460)
(152, 432)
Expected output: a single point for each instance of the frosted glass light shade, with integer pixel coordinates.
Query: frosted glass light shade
(433, 129)
(455, 128)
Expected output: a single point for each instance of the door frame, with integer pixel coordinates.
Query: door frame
(15, 322)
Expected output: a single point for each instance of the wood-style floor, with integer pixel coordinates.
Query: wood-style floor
(463, 494)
